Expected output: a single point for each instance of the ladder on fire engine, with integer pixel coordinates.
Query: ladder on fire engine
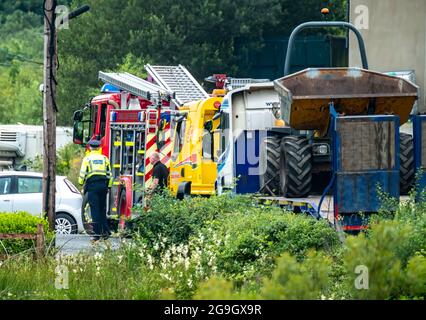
(135, 85)
(178, 80)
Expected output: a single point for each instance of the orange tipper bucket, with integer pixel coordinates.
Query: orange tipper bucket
(305, 95)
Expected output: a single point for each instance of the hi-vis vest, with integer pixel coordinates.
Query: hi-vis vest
(95, 164)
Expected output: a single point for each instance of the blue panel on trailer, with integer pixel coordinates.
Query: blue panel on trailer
(419, 126)
(246, 160)
(357, 192)
(366, 150)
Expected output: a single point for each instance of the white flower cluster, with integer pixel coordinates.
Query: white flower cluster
(183, 263)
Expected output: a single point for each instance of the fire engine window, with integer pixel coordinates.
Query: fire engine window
(94, 120)
(103, 120)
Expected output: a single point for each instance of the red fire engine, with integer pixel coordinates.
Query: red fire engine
(132, 119)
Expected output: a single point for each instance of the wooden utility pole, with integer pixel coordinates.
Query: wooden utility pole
(49, 112)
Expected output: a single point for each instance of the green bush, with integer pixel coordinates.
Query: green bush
(244, 237)
(177, 221)
(392, 272)
(248, 243)
(20, 222)
(290, 280)
(298, 280)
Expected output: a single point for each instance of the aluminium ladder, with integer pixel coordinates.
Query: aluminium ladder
(135, 85)
(178, 80)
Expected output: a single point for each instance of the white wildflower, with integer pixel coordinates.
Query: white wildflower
(190, 282)
(179, 248)
(98, 256)
(166, 256)
(150, 262)
(211, 261)
(185, 250)
(165, 276)
(186, 263)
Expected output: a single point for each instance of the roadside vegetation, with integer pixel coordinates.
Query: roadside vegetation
(230, 247)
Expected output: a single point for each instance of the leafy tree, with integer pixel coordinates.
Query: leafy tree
(124, 35)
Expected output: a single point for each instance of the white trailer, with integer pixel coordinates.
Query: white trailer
(21, 142)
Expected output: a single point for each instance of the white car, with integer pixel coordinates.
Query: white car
(22, 191)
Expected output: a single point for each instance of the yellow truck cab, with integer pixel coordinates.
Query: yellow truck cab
(196, 146)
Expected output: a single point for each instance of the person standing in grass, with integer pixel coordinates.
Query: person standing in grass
(95, 175)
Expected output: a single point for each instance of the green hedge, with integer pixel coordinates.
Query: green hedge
(177, 221)
(20, 222)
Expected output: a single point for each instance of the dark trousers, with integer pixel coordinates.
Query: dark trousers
(96, 193)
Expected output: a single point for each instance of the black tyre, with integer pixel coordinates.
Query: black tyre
(269, 166)
(184, 190)
(406, 158)
(295, 167)
(65, 224)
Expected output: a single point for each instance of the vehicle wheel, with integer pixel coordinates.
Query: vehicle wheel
(184, 190)
(295, 167)
(64, 224)
(269, 166)
(407, 174)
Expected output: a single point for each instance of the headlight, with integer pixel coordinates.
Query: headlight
(320, 149)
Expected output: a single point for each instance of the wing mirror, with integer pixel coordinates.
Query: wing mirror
(78, 115)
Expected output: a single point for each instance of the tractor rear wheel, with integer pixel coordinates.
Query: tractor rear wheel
(269, 166)
(295, 167)
(406, 159)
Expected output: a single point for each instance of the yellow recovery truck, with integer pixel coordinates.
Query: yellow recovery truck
(196, 127)
(195, 147)
(195, 130)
